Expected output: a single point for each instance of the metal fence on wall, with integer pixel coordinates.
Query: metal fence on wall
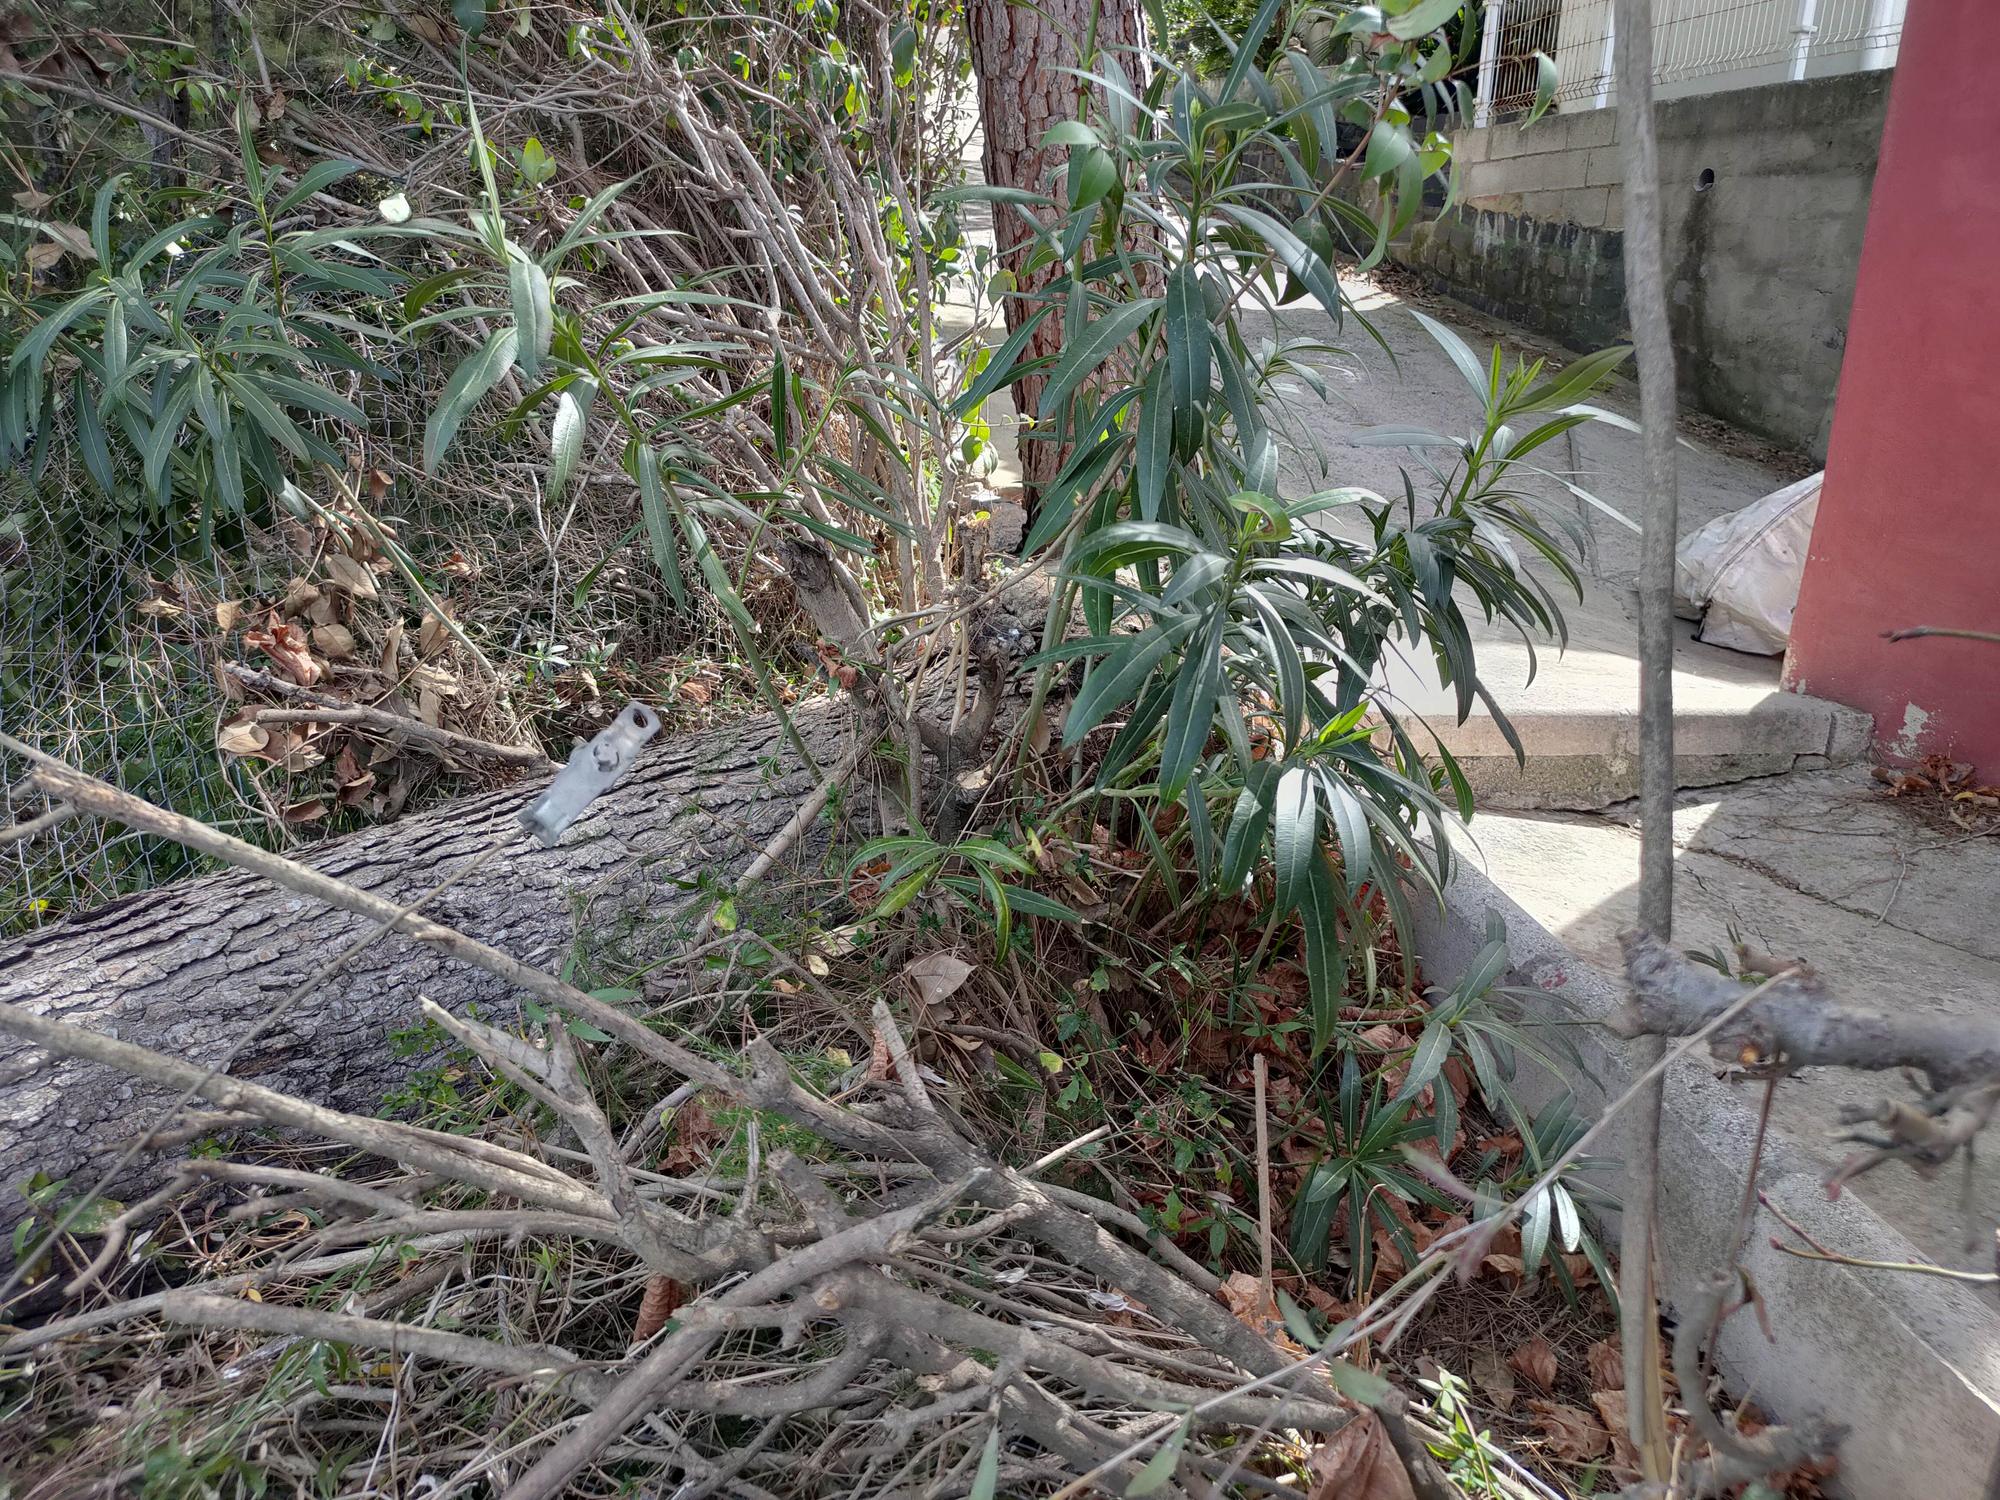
(1699, 46)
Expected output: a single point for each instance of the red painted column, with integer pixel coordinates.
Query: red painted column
(1909, 519)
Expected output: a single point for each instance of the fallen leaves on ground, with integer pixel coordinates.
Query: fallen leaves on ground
(1244, 1295)
(1573, 1436)
(1494, 1379)
(1357, 1463)
(1617, 1415)
(1536, 1361)
(1607, 1365)
(937, 976)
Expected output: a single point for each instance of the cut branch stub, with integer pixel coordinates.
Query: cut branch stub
(1797, 1025)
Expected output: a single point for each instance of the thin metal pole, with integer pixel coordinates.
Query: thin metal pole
(1489, 64)
(1805, 26)
(1607, 58)
(1645, 296)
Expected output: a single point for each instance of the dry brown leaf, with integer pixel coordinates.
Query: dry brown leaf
(1491, 1374)
(663, 1296)
(299, 596)
(71, 238)
(226, 681)
(295, 753)
(1357, 1463)
(1574, 1436)
(311, 810)
(334, 642)
(241, 738)
(1607, 1365)
(392, 648)
(286, 646)
(43, 256)
(432, 636)
(227, 613)
(1536, 1360)
(32, 200)
(1611, 1406)
(937, 976)
(348, 574)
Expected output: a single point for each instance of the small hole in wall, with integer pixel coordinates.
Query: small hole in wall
(1706, 181)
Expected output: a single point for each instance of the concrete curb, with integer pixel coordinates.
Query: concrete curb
(1910, 1365)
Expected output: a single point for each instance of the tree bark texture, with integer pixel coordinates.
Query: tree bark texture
(1018, 51)
(189, 968)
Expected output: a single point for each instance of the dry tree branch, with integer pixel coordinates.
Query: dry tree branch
(414, 731)
(1794, 1024)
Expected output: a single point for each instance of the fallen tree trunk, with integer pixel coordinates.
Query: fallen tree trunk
(188, 969)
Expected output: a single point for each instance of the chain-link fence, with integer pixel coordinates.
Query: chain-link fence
(105, 661)
(1699, 46)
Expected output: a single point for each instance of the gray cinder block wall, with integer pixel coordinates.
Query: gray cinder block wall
(1765, 196)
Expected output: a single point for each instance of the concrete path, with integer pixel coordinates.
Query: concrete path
(1575, 707)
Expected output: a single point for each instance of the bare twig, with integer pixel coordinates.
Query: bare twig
(1645, 295)
(413, 730)
(42, 822)
(1918, 632)
(1262, 1069)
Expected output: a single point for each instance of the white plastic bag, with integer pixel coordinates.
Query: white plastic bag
(1739, 574)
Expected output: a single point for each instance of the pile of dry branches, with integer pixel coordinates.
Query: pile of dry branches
(898, 1317)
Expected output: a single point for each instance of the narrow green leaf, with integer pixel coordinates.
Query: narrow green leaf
(476, 374)
(1153, 455)
(1423, 18)
(1069, 133)
(1469, 364)
(566, 433)
(1116, 680)
(1001, 367)
(1098, 341)
(986, 1478)
(1160, 1467)
(1389, 146)
(317, 179)
(528, 286)
(1363, 1387)
(91, 435)
(1187, 351)
(1192, 711)
(653, 509)
(1546, 79)
(1295, 835)
(1326, 960)
(1433, 1047)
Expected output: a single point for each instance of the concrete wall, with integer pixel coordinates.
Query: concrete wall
(1766, 196)
(1910, 509)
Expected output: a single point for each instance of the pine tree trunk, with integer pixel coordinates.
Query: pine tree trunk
(1018, 51)
(190, 968)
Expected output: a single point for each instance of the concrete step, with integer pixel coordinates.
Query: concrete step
(1897, 916)
(1577, 716)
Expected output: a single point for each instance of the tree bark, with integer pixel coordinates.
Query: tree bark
(188, 968)
(1018, 52)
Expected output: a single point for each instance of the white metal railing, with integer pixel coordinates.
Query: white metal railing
(1699, 46)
